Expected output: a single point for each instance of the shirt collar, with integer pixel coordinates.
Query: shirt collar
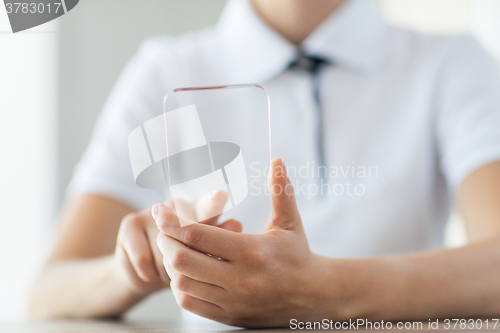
(354, 37)
(252, 51)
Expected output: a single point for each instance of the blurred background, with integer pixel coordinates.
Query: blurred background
(55, 78)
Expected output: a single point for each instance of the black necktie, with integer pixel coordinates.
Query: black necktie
(313, 65)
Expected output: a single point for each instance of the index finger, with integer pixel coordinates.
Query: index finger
(204, 238)
(210, 206)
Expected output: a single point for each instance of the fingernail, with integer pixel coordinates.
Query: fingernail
(284, 169)
(214, 192)
(154, 211)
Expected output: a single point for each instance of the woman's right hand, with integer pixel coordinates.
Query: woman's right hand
(137, 257)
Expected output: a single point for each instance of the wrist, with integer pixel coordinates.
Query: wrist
(317, 289)
(366, 288)
(343, 289)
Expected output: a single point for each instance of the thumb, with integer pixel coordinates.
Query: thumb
(284, 213)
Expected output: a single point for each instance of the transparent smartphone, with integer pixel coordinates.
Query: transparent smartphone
(218, 148)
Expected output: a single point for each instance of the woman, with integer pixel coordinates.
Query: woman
(421, 111)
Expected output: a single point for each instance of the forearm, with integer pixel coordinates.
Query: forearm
(81, 288)
(460, 282)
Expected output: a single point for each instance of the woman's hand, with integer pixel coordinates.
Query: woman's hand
(264, 280)
(138, 259)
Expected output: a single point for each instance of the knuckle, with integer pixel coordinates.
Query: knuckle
(185, 301)
(144, 261)
(192, 236)
(179, 259)
(257, 257)
(182, 283)
(131, 219)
